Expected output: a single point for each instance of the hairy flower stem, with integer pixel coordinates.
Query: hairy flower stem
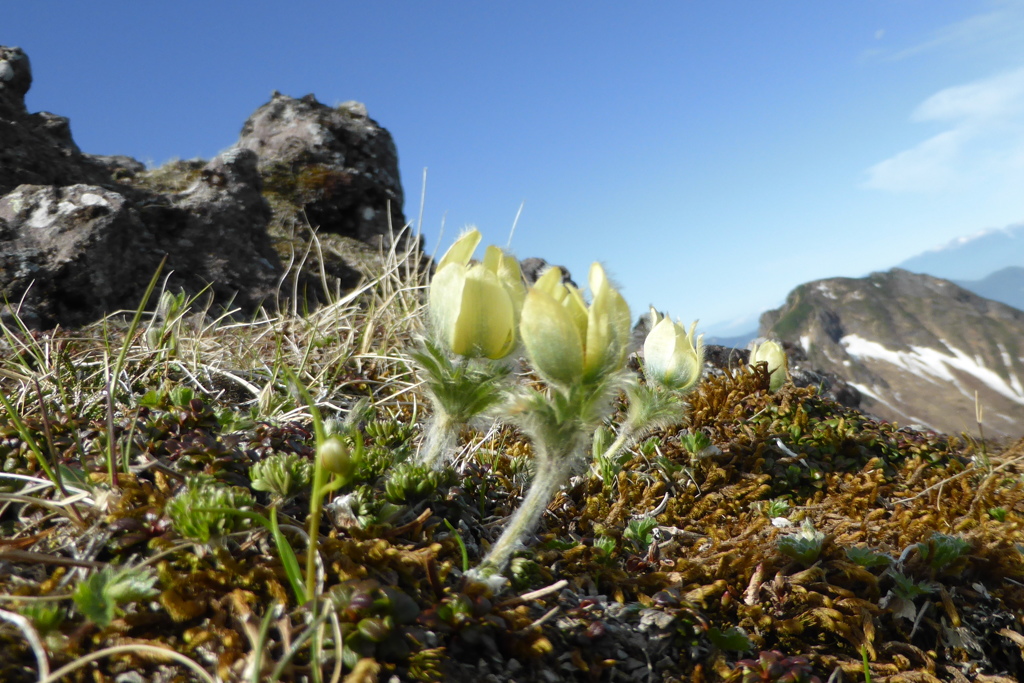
(649, 409)
(459, 391)
(552, 471)
(316, 506)
(442, 433)
(626, 435)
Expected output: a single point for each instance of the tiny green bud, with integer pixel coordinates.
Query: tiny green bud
(375, 629)
(336, 457)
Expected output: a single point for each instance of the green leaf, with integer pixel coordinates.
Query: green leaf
(730, 639)
(639, 531)
(131, 584)
(152, 399)
(605, 544)
(101, 594)
(908, 589)
(942, 549)
(288, 559)
(91, 601)
(180, 396)
(45, 617)
(462, 545)
(867, 557)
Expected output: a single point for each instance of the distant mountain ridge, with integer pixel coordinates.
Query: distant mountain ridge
(916, 346)
(989, 263)
(1005, 286)
(973, 257)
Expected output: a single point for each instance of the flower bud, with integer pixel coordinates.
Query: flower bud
(772, 353)
(475, 308)
(567, 341)
(335, 456)
(550, 332)
(671, 357)
(609, 326)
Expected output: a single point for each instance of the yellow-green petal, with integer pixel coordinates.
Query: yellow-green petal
(660, 348)
(506, 267)
(655, 317)
(577, 308)
(446, 299)
(608, 330)
(551, 338)
(462, 250)
(550, 282)
(485, 325)
(597, 279)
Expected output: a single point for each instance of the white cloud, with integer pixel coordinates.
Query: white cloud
(998, 30)
(999, 97)
(985, 139)
(926, 167)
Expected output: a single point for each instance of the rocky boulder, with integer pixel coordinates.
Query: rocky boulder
(64, 251)
(335, 164)
(69, 254)
(81, 235)
(36, 148)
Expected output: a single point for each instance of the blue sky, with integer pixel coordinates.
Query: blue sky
(713, 155)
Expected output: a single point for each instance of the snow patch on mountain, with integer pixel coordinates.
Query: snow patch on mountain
(935, 366)
(1014, 380)
(826, 291)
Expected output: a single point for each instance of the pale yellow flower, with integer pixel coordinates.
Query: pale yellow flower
(567, 341)
(475, 308)
(671, 356)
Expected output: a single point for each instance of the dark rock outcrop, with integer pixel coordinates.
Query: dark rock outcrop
(36, 149)
(533, 267)
(65, 252)
(15, 74)
(336, 163)
(918, 349)
(70, 253)
(81, 235)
